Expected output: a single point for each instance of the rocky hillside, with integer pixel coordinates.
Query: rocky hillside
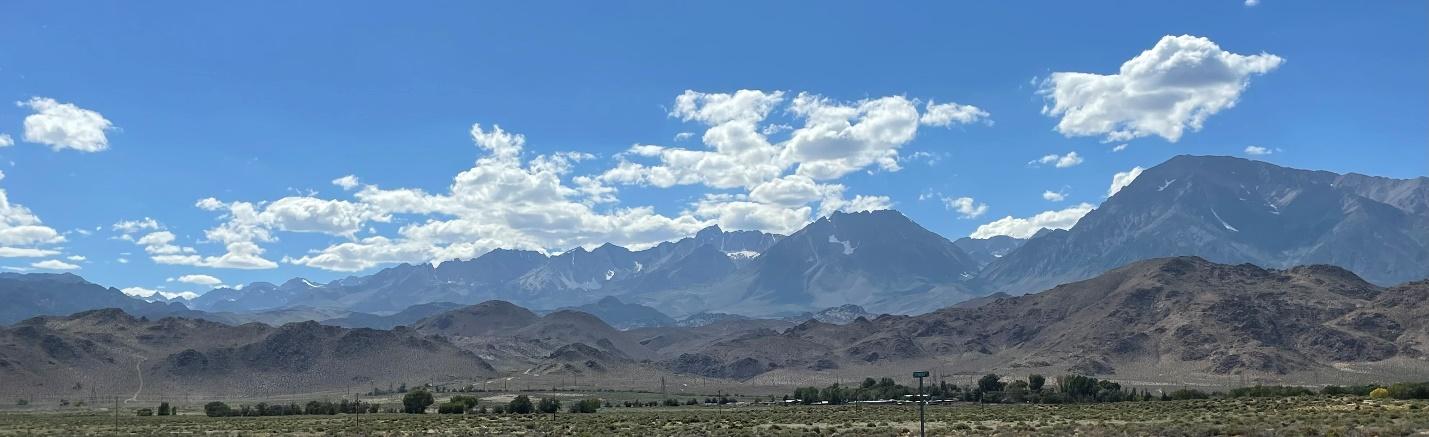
(111, 351)
(1183, 312)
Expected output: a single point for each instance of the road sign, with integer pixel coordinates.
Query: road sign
(920, 374)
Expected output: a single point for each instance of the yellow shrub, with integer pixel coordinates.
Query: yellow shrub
(1379, 393)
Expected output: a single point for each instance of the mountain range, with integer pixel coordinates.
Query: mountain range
(1222, 209)
(1233, 210)
(1173, 319)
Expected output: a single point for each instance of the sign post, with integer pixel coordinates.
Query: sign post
(922, 401)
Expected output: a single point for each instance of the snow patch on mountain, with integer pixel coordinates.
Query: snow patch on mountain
(1223, 222)
(848, 247)
(742, 255)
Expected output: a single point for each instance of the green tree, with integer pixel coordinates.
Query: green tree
(1035, 382)
(469, 402)
(551, 405)
(990, 383)
(1016, 391)
(164, 409)
(833, 394)
(217, 409)
(807, 395)
(417, 401)
(521, 405)
(585, 406)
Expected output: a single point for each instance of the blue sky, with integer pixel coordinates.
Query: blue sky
(126, 111)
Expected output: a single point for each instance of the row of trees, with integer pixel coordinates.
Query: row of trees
(417, 401)
(990, 388)
(220, 409)
(1078, 389)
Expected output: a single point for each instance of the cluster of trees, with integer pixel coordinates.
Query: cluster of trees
(1403, 390)
(869, 390)
(672, 402)
(640, 403)
(220, 409)
(459, 405)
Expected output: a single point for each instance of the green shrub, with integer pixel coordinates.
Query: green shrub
(145, 411)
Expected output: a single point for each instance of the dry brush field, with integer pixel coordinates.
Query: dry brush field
(1313, 415)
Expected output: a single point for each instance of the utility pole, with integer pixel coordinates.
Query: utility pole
(358, 408)
(922, 402)
(116, 415)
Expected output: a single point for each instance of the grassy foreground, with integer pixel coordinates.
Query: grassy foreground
(1260, 416)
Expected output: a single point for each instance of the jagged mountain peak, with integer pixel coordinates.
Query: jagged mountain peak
(1234, 210)
(875, 259)
(709, 231)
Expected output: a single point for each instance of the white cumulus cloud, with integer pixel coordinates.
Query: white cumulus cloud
(22, 234)
(1054, 196)
(1258, 150)
(54, 264)
(1164, 91)
(1026, 227)
(204, 280)
(966, 207)
(1071, 159)
(346, 182)
(65, 126)
(512, 198)
(947, 114)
